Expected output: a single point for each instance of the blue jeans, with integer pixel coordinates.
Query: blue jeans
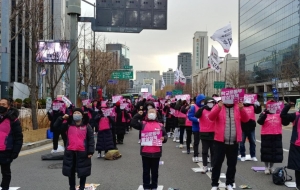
(251, 137)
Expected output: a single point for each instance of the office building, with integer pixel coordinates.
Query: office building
(185, 60)
(269, 39)
(141, 75)
(122, 52)
(169, 77)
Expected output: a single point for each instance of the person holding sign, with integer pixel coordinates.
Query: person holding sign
(228, 133)
(294, 151)
(248, 128)
(153, 135)
(207, 131)
(271, 136)
(80, 147)
(121, 122)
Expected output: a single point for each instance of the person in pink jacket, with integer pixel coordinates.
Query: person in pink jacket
(228, 134)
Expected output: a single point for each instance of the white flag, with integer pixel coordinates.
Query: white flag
(162, 83)
(214, 60)
(224, 37)
(176, 76)
(182, 79)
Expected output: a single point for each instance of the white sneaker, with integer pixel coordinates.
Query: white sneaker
(169, 134)
(174, 139)
(99, 155)
(254, 159)
(191, 146)
(229, 187)
(214, 188)
(271, 170)
(184, 140)
(204, 169)
(243, 159)
(139, 141)
(267, 171)
(53, 151)
(181, 146)
(194, 159)
(208, 159)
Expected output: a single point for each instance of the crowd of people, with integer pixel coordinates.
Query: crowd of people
(222, 128)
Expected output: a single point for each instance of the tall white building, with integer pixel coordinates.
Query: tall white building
(141, 75)
(200, 55)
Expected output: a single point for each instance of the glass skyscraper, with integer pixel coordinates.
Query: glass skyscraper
(268, 38)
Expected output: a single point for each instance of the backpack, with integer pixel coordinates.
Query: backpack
(280, 176)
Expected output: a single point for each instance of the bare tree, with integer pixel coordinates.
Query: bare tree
(203, 83)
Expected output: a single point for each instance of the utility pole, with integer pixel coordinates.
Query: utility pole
(74, 10)
(94, 62)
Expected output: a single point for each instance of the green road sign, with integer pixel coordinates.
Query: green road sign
(176, 92)
(219, 84)
(128, 67)
(122, 75)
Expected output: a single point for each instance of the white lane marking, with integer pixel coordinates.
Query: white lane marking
(160, 187)
(285, 150)
(200, 164)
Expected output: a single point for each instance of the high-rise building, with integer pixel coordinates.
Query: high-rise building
(269, 39)
(185, 60)
(169, 77)
(122, 51)
(200, 49)
(141, 75)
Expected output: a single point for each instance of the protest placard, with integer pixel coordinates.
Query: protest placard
(58, 105)
(115, 99)
(186, 97)
(152, 138)
(86, 102)
(250, 98)
(147, 95)
(275, 107)
(232, 95)
(108, 112)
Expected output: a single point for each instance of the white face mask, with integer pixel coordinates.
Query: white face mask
(151, 116)
(210, 105)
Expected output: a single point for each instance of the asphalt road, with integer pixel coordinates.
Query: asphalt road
(31, 173)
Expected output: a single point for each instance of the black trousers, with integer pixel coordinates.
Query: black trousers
(150, 165)
(188, 137)
(182, 128)
(72, 179)
(220, 151)
(56, 135)
(196, 143)
(207, 145)
(6, 176)
(120, 137)
(297, 176)
(114, 137)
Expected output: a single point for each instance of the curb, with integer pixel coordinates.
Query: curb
(28, 146)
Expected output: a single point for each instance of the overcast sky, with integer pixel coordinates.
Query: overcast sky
(158, 49)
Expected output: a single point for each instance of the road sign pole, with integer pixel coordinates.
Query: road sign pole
(74, 10)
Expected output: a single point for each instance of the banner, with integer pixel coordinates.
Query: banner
(224, 37)
(103, 103)
(214, 60)
(186, 97)
(109, 112)
(58, 105)
(115, 99)
(275, 107)
(147, 95)
(231, 96)
(124, 106)
(151, 138)
(250, 98)
(86, 102)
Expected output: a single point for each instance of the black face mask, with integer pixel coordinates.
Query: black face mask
(3, 109)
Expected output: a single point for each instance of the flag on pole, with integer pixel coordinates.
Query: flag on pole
(43, 72)
(214, 60)
(162, 83)
(182, 79)
(176, 76)
(224, 37)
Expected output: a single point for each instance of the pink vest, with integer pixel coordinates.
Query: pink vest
(150, 127)
(89, 113)
(123, 117)
(4, 132)
(104, 124)
(272, 125)
(205, 124)
(297, 142)
(250, 111)
(76, 138)
(188, 123)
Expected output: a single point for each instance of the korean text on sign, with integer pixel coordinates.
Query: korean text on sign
(151, 138)
(230, 96)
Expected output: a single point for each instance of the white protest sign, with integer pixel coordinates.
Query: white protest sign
(57, 105)
(224, 37)
(108, 112)
(231, 96)
(186, 97)
(250, 98)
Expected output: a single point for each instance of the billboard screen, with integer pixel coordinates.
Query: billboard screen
(53, 52)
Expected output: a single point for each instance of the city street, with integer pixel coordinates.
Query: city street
(30, 172)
